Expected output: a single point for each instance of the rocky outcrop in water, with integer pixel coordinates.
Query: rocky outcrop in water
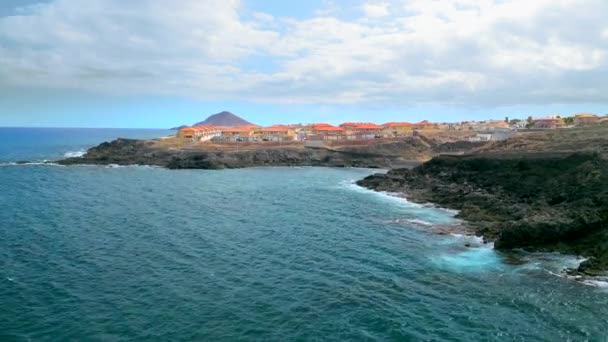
(532, 201)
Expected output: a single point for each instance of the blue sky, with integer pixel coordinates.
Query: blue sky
(161, 63)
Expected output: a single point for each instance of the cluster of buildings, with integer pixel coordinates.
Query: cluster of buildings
(479, 130)
(577, 120)
(502, 130)
(317, 131)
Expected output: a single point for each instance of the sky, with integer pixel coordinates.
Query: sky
(164, 63)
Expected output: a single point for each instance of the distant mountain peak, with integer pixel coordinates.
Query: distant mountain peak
(224, 118)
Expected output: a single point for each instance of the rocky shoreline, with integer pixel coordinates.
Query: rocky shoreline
(147, 152)
(532, 201)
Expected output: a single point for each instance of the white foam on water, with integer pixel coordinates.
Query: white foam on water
(389, 196)
(481, 256)
(474, 259)
(473, 238)
(600, 282)
(75, 154)
(116, 166)
(419, 222)
(398, 198)
(554, 263)
(452, 212)
(44, 163)
(557, 265)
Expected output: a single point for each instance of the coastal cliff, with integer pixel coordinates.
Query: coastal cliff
(540, 202)
(151, 152)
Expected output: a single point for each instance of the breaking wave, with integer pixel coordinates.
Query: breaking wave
(75, 154)
(32, 163)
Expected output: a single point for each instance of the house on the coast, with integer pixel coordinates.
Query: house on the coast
(238, 133)
(186, 133)
(585, 119)
(199, 133)
(489, 125)
(323, 131)
(518, 124)
(361, 130)
(277, 133)
(547, 123)
(493, 134)
(481, 137)
(447, 126)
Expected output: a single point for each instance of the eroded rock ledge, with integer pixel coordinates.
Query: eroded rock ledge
(534, 201)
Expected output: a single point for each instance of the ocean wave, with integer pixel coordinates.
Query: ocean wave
(597, 281)
(391, 196)
(117, 166)
(32, 163)
(478, 240)
(75, 154)
(601, 282)
(470, 259)
(560, 265)
(419, 222)
(398, 197)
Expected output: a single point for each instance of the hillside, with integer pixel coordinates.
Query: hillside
(584, 139)
(224, 119)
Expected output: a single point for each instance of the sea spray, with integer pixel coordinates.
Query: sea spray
(75, 154)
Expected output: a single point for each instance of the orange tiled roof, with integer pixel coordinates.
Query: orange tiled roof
(238, 129)
(585, 115)
(326, 127)
(360, 125)
(207, 128)
(199, 128)
(276, 128)
(397, 124)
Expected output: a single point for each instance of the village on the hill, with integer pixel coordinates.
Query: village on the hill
(352, 132)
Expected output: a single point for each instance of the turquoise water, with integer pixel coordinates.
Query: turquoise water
(268, 254)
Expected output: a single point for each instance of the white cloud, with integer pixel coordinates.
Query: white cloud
(375, 10)
(467, 52)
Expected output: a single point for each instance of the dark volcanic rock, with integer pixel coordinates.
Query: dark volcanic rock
(140, 152)
(530, 201)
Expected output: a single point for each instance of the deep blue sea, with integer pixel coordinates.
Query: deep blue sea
(93, 253)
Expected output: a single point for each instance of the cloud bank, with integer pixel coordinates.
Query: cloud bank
(477, 53)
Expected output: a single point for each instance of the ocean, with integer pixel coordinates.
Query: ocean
(94, 253)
